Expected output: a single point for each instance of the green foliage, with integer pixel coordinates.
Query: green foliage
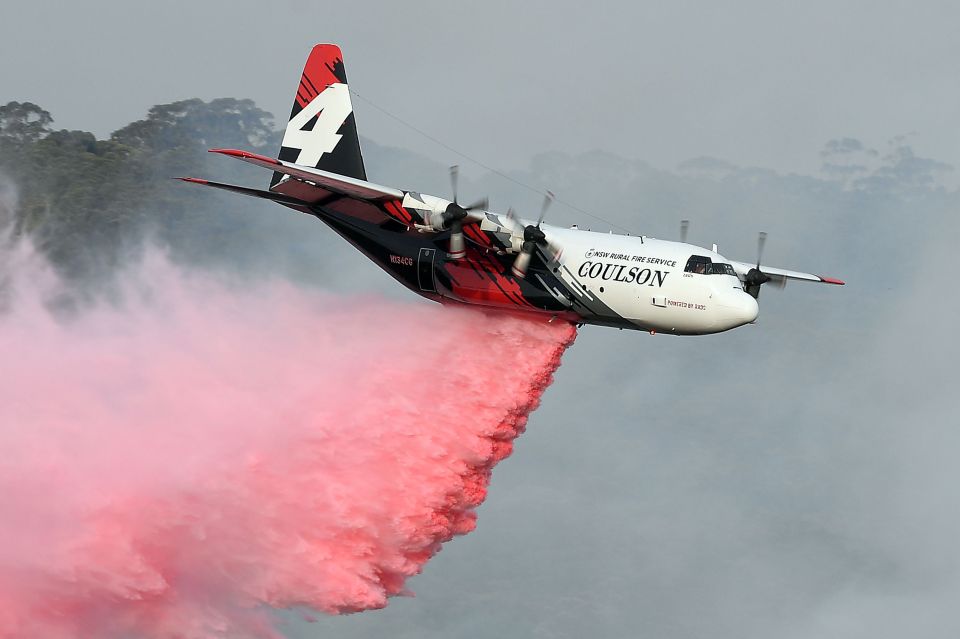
(23, 123)
(226, 122)
(89, 202)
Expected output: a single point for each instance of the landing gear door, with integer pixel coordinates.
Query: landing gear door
(425, 270)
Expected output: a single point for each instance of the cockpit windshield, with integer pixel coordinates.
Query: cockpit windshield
(705, 266)
(698, 264)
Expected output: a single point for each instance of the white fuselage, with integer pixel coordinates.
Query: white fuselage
(642, 280)
(624, 280)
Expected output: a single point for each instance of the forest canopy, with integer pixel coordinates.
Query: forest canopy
(87, 203)
(91, 204)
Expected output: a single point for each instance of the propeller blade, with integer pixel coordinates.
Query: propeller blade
(479, 205)
(777, 282)
(555, 248)
(458, 248)
(547, 201)
(761, 241)
(754, 280)
(523, 260)
(453, 213)
(684, 228)
(532, 236)
(511, 220)
(454, 178)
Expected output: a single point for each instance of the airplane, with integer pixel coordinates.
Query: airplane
(451, 253)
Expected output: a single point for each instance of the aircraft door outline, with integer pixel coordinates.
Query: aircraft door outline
(425, 272)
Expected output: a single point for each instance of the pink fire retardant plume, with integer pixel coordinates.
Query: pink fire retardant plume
(174, 465)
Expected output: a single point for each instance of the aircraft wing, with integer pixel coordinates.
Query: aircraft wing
(322, 182)
(779, 276)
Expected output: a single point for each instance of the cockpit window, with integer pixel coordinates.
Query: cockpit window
(723, 269)
(705, 266)
(698, 264)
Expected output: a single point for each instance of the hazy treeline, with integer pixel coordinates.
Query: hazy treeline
(90, 203)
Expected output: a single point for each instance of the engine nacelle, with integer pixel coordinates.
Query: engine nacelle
(505, 236)
(428, 208)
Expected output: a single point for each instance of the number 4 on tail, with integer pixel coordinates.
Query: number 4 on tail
(331, 108)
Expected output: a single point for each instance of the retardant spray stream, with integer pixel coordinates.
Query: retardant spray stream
(174, 465)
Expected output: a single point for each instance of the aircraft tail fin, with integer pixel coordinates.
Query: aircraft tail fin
(322, 132)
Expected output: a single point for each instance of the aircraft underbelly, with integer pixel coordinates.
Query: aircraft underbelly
(419, 262)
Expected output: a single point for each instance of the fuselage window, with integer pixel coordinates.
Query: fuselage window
(698, 264)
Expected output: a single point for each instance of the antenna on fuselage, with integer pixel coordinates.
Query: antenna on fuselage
(684, 230)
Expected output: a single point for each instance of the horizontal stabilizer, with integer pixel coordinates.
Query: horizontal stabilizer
(267, 195)
(328, 182)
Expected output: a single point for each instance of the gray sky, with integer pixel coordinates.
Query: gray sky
(755, 82)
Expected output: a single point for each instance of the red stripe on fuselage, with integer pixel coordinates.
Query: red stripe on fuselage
(478, 278)
(475, 234)
(395, 210)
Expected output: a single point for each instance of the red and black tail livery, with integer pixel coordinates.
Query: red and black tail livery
(322, 131)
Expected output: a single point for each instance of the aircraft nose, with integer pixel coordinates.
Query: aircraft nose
(743, 307)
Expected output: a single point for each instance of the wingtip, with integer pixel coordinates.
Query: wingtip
(192, 180)
(831, 280)
(245, 155)
(232, 152)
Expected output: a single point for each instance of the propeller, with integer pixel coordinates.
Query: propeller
(454, 215)
(533, 236)
(755, 277)
(684, 228)
(547, 201)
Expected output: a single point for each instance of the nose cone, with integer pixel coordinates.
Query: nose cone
(741, 308)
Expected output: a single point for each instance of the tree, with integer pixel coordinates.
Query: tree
(195, 124)
(23, 123)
